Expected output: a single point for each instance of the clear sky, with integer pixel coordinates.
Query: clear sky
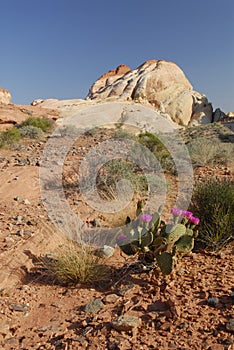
(58, 48)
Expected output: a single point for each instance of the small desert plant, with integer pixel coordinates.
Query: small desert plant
(213, 202)
(68, 130)
(44, 124)
(207, 152)
(152, 142)
(124, 134)
(32, 132)
(75, 264)
(116, 170)
(157, 147)
(156, 242)
(9, 137)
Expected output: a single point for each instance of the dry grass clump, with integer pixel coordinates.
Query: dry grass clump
(74, 264)
(213, 203)
(207, 152)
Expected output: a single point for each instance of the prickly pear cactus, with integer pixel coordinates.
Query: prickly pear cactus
(185, 244)
(176, 232)
(129, 249)
(156, 223)
(189, 232)
(158, 241)
(146, 240)
(165, 262)
(152, 239)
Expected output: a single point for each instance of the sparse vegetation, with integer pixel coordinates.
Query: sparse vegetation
(9, 137)
(75, 264)
(213, 202)
(159, 150)
(44, 124)
(207, 152)
(124, 134)
(116, 170)
(32, 132)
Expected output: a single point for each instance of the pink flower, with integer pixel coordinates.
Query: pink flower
(121, 238)
(146, 217)
(176, 211)
(187, 214)
(194, 220)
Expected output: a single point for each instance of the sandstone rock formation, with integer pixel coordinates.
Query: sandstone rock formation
(14, 114)
(218, 115)
(158, 83)
(109, 78)
(5, 96)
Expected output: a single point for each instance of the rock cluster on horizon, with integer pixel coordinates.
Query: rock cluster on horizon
(157, 84)
(5, 96)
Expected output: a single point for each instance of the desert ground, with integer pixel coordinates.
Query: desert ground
(190, 309)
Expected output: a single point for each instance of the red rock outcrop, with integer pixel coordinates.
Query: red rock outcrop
(15, 114)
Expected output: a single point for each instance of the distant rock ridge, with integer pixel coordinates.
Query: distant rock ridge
(5, 96)
(157, 84)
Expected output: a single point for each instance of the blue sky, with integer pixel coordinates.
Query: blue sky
(58, 48)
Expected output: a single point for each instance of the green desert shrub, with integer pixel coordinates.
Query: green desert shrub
(157, 147)
(124, 134)
(9, 137)
(116, 170)
(32, 132)
(207, 152)
(75, 264)
(213, 202)
(152, 142)
(44, 124)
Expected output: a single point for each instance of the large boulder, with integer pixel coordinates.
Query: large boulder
(5, 96)
(158, 83)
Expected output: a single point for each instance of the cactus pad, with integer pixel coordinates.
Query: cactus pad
(165, 262)
(178, 231)
(146, 239)
(185, 244)
(129, 249)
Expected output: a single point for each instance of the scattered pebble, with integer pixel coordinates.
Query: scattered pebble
(19, 307)
(126, 323)
(105, 252)
(230, 325)
(94, 306)
(213, 301)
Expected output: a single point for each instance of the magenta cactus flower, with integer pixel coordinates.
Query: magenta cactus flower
(187, 214)
(176, 211)
(194, 220)
(146, 217)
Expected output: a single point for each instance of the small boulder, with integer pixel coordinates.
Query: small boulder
(94, 306)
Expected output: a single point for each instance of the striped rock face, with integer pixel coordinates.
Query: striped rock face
(5, 96)
(158, 83)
